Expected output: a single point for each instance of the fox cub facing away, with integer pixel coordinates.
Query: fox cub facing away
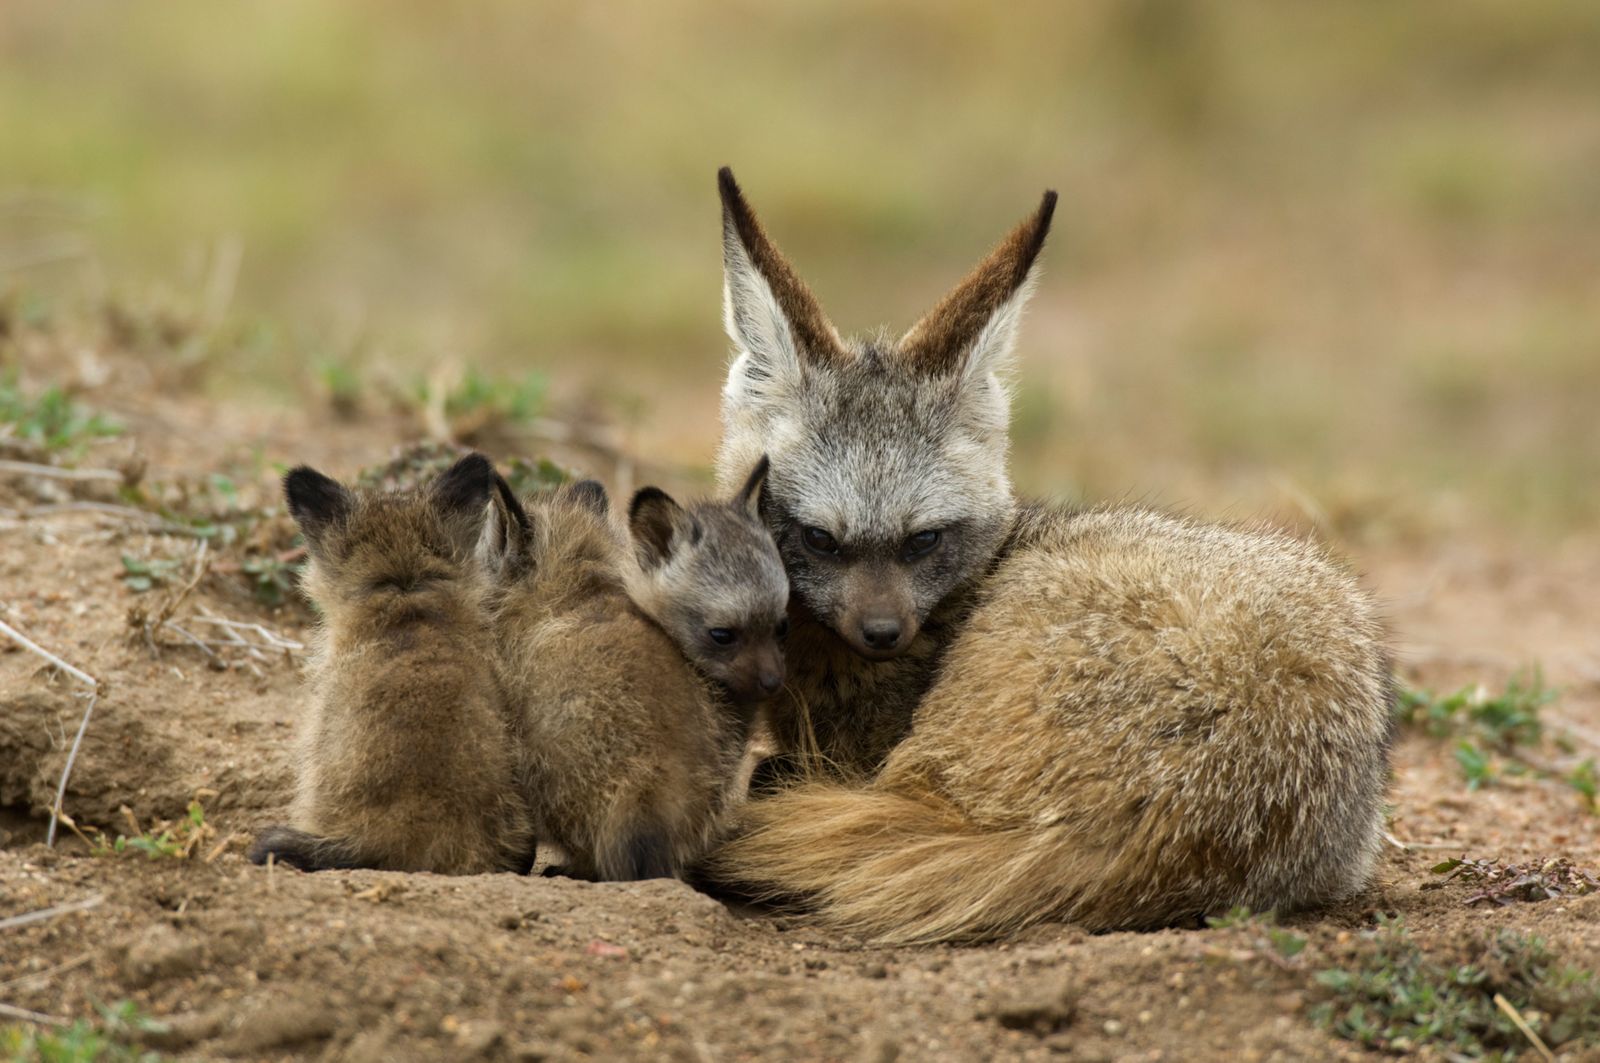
(1111, 717)
(407, 758)
(634, 753)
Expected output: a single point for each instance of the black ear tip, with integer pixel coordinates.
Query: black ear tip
(474, 466)
(468, 482)
(732, 196)
(591, 493)
(300, 476)
(307, 489)
(1047, 211)
(763, 466)
(646, 496)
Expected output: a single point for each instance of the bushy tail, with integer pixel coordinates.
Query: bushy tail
(308, 852)
(897, 868)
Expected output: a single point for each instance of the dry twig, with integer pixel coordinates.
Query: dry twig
(56, 472)
(12, 1012)
(1522, 1024)
(52, 912)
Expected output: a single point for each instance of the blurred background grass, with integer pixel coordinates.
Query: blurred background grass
(1340, 259)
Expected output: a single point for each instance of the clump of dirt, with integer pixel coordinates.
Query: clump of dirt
(195, 953)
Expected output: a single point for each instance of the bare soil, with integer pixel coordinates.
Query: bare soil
(241, 962)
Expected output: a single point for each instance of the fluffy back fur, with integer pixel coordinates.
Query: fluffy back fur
(406, 756)
(1132, 720)
(630, 755)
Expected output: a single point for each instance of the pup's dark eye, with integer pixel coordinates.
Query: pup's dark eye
(820, 541)
(921, 543)
(782, 630)
(722, 636)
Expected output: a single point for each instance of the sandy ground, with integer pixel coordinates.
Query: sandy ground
(240, 962)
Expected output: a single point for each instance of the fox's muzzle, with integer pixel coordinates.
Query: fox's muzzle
(879, 620)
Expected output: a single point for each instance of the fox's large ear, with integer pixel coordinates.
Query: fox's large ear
(749, 496)
(658, 526)
(316, 502)
(972, 329)
(771, 316)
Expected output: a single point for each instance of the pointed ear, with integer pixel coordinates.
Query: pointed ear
(972, 329)
(771, 316)
(749, 496)
(658, 525)
(461, 495)
(591, 495)
(464, 488)
(316, 502)
(504, 540)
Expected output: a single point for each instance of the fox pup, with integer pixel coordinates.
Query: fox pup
(1111, 717)
(632, 753)
(406, 761)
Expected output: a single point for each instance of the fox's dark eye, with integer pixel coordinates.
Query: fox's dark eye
(820, 541)
(723, 636)
(782, 630)
(921, 543)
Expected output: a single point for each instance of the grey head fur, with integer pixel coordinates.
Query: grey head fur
(709, 574)
(889, 487)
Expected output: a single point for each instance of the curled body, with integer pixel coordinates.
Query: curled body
(407, 751)
(1144, 720)
(631, 753)
(1112, 716)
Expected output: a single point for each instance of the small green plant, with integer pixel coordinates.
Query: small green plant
(1504, 721)
(419, 463)
(1398, 999)
(1268, 935)
(341, 383)
(1495, 734)
(50, 419)
(1583, 779)
(272, 579)
(528, 478)
(141, 574)
(509, 400)
(85, 1041)
(169, 839)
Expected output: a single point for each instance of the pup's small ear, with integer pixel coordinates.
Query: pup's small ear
(316, 502)
(504, 540)
(749, 496)
(658, 525)
(591, 494)
(464, 487)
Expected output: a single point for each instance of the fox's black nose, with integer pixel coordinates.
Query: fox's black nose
(771, 681)
(880, 634)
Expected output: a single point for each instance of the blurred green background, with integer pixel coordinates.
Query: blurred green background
(1341, 258)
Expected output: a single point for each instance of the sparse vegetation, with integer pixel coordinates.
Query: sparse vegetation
(85, 1041)
(1267, 937)
(1396, 998)
(1497, 734)
(143, 574)
(177, 839)
(49, 420)
(1503, 884)
(419, 463)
